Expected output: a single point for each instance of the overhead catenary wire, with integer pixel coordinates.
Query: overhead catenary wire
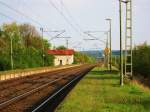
(65, 18)
(37, 22)
(70, 15)
(20, 13)
(93, 37)
(34, 20)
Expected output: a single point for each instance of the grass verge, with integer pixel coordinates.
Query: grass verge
(100, 91)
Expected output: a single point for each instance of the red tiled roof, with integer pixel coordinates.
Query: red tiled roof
(61, 52)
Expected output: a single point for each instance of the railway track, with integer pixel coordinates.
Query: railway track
(21, 95)
(28, 83)
(19, 79)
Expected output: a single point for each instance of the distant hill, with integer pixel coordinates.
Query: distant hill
(96, 53)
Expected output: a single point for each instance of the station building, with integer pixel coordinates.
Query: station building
(62, 57)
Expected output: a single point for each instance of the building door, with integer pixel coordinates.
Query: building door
(60, 62)
(67, 62)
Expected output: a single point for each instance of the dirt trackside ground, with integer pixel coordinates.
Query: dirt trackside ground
(99, 91)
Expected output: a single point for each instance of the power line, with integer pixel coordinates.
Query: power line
(93, 37)
(65, 18)
(29, 8)
(20, 13)
(35, 21)
(69, 14)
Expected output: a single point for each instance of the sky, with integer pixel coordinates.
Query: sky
(77, 17)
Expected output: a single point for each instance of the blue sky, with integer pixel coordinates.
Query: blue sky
(86, 15)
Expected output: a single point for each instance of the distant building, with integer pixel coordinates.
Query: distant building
(62, 57)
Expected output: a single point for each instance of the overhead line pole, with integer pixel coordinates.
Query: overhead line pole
(10, 35)
(11, 51)
(67, 43)
(43, 48)
(110, 57)
(110, 46)
(43, 55)
(121, 53)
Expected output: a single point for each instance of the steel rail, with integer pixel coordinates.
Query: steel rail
(54, 94)
(13, 100)
(36, 77)
(8, 102)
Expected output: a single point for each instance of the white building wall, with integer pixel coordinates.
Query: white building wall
(63, 59)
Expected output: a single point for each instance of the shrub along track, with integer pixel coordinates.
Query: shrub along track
(20, 95)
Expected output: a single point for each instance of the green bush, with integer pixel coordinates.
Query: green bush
(141, 60)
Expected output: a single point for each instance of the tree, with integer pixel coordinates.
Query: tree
(30, 36)
(27, 47)
(61, 47)
(141, 60)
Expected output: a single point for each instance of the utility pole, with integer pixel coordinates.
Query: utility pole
(43, 55)
(11, 50)
(121, 56)
(56, 36)
(67, 43)
(110, 55)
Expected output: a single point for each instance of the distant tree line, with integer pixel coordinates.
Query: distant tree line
(26, 44)
(83, 58)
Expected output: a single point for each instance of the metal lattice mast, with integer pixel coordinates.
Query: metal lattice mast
(128, 40)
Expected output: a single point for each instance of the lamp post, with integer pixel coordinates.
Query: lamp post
(121, 53)
(110, 57)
